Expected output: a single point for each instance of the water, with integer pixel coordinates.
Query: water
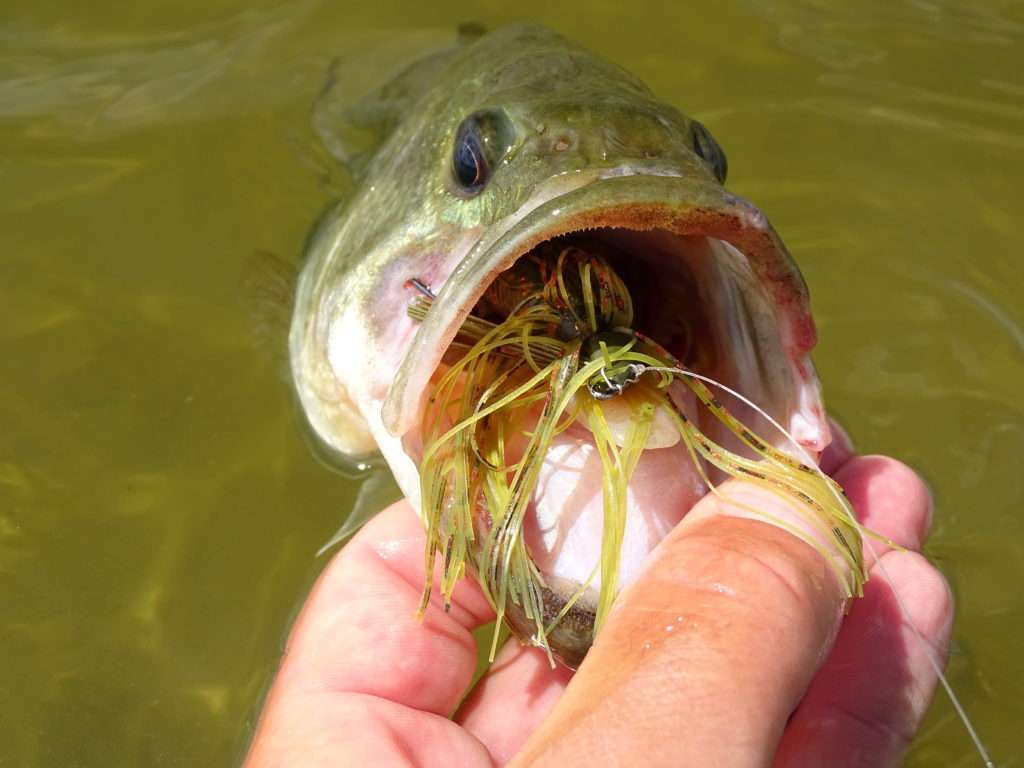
(159, 506)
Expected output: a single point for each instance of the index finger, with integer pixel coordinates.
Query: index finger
(358, 632)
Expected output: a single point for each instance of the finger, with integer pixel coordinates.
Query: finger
(361, 675)
(359, 633)
(867, 702)
(889, 499)
(722, 631)
(512, 699)
(325, 729)
(839, 451)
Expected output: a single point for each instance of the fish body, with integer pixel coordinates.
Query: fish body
(483, 152)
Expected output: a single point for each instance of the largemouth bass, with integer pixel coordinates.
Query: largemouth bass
(476, 161)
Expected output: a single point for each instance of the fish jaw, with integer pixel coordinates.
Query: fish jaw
(351, 336)
(350, 329)
(759, 320)
(757, 313)
(739, 241)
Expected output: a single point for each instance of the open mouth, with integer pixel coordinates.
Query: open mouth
(676, 211)
(712, 291)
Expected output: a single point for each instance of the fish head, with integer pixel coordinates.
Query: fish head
(521, 138)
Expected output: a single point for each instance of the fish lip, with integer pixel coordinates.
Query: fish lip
(635, 201)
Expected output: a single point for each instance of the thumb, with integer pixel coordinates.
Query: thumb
(707, 654)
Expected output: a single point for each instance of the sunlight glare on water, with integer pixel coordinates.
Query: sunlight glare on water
(160, 508)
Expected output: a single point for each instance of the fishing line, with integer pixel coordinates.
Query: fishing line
(922, 643)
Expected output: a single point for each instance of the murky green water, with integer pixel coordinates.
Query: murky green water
(159, 508)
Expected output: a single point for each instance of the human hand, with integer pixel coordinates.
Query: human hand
(720, 654)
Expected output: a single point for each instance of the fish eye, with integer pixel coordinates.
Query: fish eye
(481, 143)
(707, 149)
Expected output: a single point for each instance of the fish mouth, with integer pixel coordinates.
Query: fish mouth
(715, 287)
(749, 287)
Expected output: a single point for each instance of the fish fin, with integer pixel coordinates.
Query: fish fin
(368, 92)
(268, 293)
(377, 491)
(334, 179)
(469, 32)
